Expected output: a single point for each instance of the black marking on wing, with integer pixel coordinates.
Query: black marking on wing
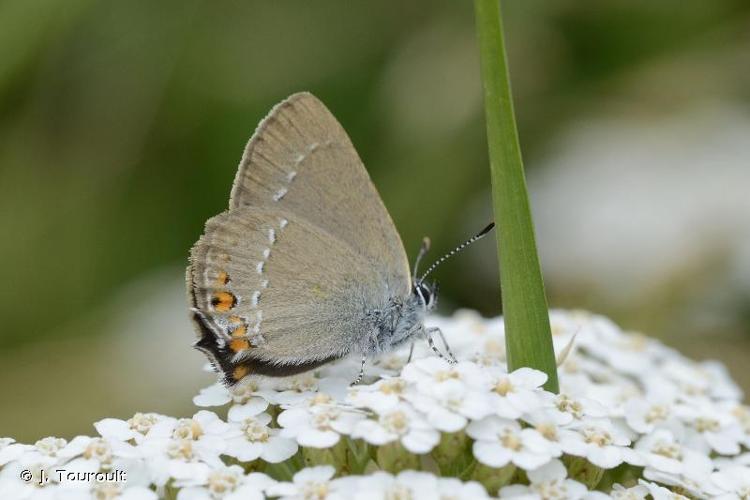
(221, 357)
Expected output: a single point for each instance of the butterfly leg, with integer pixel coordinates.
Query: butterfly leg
(434, 348)
(447, 347)
(450, 358)
(361, 371)
(411, 353)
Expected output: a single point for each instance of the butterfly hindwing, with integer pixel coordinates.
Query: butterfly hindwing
(271, 295)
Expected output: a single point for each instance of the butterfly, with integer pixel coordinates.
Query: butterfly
(306, 266)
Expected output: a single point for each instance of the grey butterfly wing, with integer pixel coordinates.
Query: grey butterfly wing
(301, 160)
(273, 294)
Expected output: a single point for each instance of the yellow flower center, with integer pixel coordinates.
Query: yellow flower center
(323, 419)
(597, 436)
(503, 386)
(304, 383)
(393, 386)
(551, 490)
(106, 490)
(399, 492)
(180, 449)
(320, 399)
(142, 422)
(50, 445)
(99, 449)
(395, 422)
(315, 491)
(657, 413)
(187, 428)
(509, 439)
(444, 375)
(666, 449)
(568, 405)
(242, 393)
(255, 431)
(702, 424)
(221, 483)
(549, 431)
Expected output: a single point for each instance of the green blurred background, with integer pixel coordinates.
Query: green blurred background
(122, 123)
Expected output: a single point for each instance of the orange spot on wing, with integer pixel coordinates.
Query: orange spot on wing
(222, 278)
(238, 345)
(223, 301)
(240, 372)
(240, 331)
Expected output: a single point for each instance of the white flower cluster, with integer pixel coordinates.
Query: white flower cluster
(634, 419)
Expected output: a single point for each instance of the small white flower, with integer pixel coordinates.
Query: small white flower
(710, 428)
(660, 492)
(637, 492)
(499, 442)
(253, 439)
(550, 423)
(601, 442)
(739, 411)
(734, 482)
(214, 395)
(390, 364)
(695, 476)
(454, 489)
(547, 482)
(312, 483)
(119, 491)
(661, 451)
(491, 352)
(294, 390)
(450, 404)
(383, 486)
(643, 415)
(100, 452)
(10, 450)
(429, 373)
(574, 408)
(625, 353)
(40, 460)
(687, 376)
(134, 429)
(12, 486)
(50, 446)
(399, 423)
(381, 396)
(721, 385)
(244, 397)
(185, 449)
(464, 332)
(421, 485)
(229, 483)
(319, 424)
(515, 393)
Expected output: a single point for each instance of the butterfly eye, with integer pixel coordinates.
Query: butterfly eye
(424, 293)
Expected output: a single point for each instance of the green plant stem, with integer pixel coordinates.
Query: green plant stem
(528, 338)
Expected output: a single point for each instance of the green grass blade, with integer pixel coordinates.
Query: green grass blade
(527, 330)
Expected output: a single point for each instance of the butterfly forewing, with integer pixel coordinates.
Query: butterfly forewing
(301, 160)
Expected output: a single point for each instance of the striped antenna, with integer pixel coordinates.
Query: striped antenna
(481, 234)
(422, 252)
